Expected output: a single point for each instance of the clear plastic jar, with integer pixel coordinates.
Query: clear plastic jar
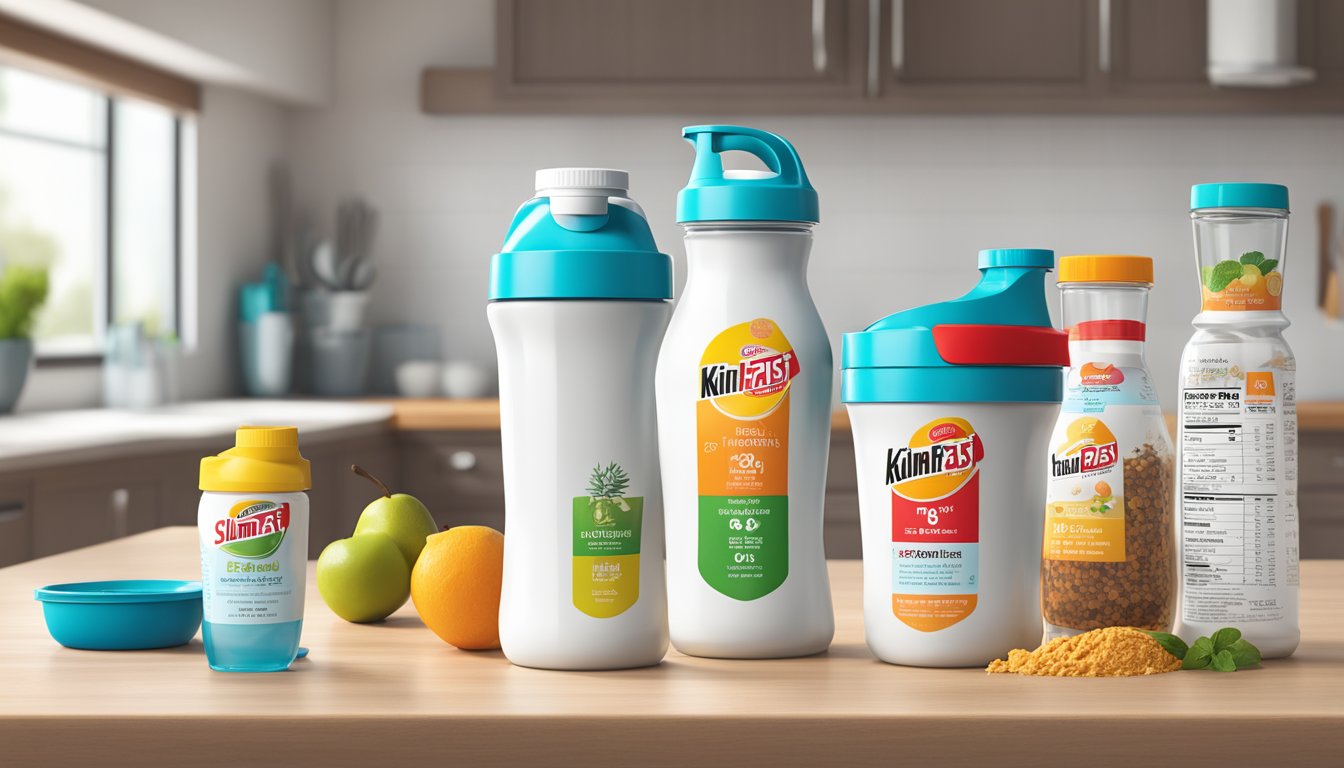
(1109, 550)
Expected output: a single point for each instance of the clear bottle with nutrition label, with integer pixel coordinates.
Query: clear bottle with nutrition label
(1237, 477)
(1109, 547)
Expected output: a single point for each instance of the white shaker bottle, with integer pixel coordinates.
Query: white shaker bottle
(744, 409)
(579, 300)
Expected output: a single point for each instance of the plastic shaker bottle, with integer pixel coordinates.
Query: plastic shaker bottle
(1237, 469)
(951, 405)
(253, 530)
(744, 410)
(1109, 555)
(579, 300)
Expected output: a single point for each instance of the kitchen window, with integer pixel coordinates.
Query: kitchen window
(90, 188)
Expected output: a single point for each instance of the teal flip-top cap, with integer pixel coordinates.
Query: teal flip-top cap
(1239, 195)
(994, 344)
(574, 241)
(1032, 258)
(715, 194)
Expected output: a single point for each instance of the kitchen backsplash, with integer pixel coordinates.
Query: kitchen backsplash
(905, 202)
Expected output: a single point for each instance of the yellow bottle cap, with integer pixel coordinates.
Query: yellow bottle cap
(263, 460)
(1106, 268)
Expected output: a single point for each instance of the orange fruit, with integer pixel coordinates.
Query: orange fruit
(456, 582)
(1103, 488)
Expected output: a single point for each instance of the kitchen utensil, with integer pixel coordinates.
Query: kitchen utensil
(418, 378)
(362, 275)
(396, 344)
(122, 615)
(464, 380)
(327, 267)
(1325, 240)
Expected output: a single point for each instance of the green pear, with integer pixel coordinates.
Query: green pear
(363, 578)
(399, 515)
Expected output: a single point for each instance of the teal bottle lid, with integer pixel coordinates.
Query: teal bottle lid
(995, 344)
(715, 194)
(580, 238)
(1239, 195)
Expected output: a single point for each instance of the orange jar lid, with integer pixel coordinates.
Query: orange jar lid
(1106, 268)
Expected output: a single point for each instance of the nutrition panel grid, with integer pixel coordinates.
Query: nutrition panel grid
(1229, 483)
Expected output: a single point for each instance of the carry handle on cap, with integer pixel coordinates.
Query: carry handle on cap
(777, 154)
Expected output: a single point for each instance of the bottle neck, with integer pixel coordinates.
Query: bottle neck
(1106, 322)
(751, 254)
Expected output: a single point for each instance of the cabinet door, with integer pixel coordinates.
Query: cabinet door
(680, 48)
(16, 538)
(458, 475)
(88, 504)
(987, 50)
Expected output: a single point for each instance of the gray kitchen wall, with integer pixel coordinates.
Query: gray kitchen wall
(906, 201)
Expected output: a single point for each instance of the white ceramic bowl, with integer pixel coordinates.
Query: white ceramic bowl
(418, 378)
(463, 379)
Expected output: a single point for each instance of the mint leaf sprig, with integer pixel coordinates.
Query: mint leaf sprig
(1225, 651)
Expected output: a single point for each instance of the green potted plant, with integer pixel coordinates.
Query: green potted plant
(22, 291)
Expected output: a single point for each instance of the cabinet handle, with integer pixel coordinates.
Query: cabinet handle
(819, 35)
(874, 46)
(120, 502)
(12, 510)
(1104, 35)
(898, 35)
(462, 461)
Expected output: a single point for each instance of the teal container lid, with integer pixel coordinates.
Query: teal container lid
(995, 344)
(573, 241)
(1239, 195)
(714, 194)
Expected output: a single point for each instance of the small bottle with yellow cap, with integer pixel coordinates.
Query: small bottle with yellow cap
(1109, 549)
(253, 524)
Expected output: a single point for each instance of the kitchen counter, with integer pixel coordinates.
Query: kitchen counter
(52, 437)
(429, 414)
(393, 694)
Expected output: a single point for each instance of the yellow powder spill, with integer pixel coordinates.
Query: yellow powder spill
(1108, 652)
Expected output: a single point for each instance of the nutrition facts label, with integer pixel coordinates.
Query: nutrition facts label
(1236, 521)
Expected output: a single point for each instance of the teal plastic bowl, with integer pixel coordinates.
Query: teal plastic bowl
(122, 615)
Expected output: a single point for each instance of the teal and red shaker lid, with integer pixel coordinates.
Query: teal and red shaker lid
(995, 344)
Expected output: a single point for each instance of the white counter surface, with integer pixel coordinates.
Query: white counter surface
(39, 439)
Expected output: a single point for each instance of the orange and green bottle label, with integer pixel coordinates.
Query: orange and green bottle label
(607, 530)
(742, 428)
(1248, 283)
(1085, 504)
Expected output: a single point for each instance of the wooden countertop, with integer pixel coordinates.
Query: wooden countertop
(444, 414)
(393, 694)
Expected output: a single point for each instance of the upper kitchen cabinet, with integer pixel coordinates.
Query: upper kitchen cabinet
(875, 56)
(953, 55)
(1156, 57)
(661, 55)
(694, 48)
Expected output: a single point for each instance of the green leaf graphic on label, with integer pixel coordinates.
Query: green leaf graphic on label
(261, 546)
(1253, 257)
(1268, 266)
(1222, 275)
(744, 544)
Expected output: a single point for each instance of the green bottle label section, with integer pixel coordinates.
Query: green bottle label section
(606, 554)
(744, 544)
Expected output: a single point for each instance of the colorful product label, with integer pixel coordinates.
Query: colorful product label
(1094, 386)
(607, 533)
(1238, 474)
(253, 564)
(935, 524)
(742, 428)
(1251, 282)
(1085, 505)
